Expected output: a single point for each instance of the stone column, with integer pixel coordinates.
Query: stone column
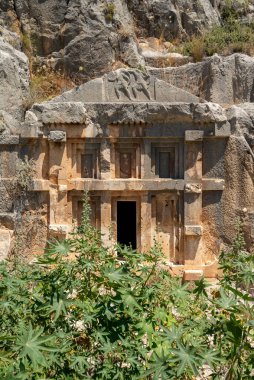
(146, 220)
(58, 183)
(106, 218)
(193, 198)
(146, 164)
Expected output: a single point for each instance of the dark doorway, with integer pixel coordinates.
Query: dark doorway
(126, 223)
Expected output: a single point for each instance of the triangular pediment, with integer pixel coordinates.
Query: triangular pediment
(127, 86)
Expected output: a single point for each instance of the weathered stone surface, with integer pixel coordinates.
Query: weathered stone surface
(194, 135)
(193, 230)
(82, 37)
(5, 243)
(11, 38)
(193, 188)
(60, 112)
(9, 140)
(223, 80)
(14, 80)
(173, 18)
(57, 136)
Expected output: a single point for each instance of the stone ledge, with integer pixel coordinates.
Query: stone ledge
(192, 275)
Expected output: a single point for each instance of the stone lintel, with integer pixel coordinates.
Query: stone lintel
(80, 184)
(195, 135)
(9, 140)
(127, 185)
(192, 275)
(194, 230)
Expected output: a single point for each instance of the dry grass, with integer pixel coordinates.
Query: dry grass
(46, 84)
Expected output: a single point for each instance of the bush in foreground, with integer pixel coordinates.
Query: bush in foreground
(96, 317)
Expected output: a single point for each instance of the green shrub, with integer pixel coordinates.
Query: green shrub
(230, 38)
(96, 317)
(109, 11)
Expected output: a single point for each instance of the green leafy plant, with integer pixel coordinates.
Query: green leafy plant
(229, 38)
(94, 316)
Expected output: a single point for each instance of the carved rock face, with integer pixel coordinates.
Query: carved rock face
(14, 80)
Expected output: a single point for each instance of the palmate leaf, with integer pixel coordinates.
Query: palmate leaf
(129, 300)
(174, 334)
(57, 306)
(113, 275)
(211, 357)
(201, 286)
(226, 301)
(243, 295)
(187, 359)
(159, 367)
(32, 345)
(80, 364)
(55, 251)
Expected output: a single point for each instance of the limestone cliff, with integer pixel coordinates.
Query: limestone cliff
(88, 41)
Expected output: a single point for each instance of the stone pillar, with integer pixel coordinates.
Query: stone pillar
(146, 220)
(146, 164)
(106, 223)
(193, 198)
(58, 214)
(105, 160)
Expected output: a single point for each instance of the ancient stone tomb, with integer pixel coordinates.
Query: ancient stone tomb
(145, 151)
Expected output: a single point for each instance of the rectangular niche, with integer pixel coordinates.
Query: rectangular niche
(127, 161)
(165, 163)
(77, 209)
(86, 160)
(166, 222)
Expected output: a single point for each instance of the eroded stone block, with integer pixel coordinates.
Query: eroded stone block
(195, 135)
(193, 188)
(193, 230)
(57, 136)
(9, 140)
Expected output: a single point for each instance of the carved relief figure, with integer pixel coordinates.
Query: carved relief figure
(131, 84)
